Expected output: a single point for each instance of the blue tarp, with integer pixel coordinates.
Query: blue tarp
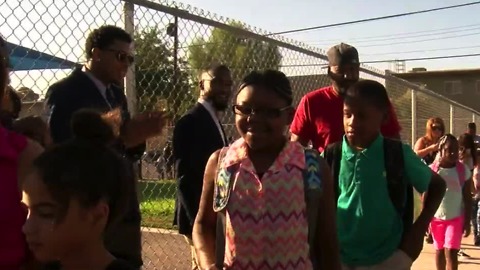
(22, 58)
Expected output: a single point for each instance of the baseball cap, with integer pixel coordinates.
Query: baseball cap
(342, 54)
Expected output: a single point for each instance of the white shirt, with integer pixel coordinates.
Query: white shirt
(452, 203)
(208, 106)
(102, 88)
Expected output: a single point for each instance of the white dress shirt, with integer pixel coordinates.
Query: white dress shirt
(208, 106)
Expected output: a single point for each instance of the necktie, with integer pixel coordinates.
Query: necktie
(110, 97)
(224, 137)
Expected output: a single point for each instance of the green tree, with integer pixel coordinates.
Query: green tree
(242, 55)
(157, 81)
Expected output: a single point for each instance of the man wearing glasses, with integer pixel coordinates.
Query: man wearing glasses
(97, 86)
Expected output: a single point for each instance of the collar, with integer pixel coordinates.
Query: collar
(292, 155)
(209, 107)
(99, 84)
(350, 153)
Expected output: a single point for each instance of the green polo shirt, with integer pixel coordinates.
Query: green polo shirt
(369, 227)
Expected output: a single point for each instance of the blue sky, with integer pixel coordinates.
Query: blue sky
(461, 26)
(46, 26)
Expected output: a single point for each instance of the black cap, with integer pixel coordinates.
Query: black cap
(342, 54)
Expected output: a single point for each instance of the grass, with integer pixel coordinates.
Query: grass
(157, 203)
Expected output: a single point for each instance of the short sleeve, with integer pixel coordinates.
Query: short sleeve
(301, 124)
(391, 128)
(418, 173)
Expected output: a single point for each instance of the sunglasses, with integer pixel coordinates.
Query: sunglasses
(437, 128)
(122, 56)
(263, 112)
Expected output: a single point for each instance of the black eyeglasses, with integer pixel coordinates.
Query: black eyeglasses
(122, 56)
(263, 112)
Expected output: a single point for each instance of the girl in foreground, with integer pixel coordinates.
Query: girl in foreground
(266, 224)
(73, 193)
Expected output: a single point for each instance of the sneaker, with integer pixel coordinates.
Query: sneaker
(462, 253)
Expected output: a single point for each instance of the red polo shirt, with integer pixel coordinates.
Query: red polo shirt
(319, 118)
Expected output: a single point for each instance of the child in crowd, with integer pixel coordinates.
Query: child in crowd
(75, 190)
(468, 156)
(265, 222)
(371, 232)
(476, 202)
(16, 155)
(35, 128)
(452, 219)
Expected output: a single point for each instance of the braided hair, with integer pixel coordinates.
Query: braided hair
(442, 142)
(272, 80)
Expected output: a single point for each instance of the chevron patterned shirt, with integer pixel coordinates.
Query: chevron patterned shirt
(266, 224)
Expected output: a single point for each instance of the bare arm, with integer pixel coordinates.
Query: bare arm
(467, 204)
(412, 243)
(295, 138)
(421, 150)
(432, 199)
(328, 248)
(142, 127)
(204, 227)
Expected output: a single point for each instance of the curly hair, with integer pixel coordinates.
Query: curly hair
(105, 36)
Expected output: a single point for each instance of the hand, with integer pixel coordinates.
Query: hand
(152, 123)
(412, 243)
(433, 147)
(466, 228)
(114, 119)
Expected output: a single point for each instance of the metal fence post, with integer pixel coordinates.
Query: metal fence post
(130, 91)
(414, 115)
(452, 111)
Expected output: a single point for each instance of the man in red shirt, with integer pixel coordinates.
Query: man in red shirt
(319, 115)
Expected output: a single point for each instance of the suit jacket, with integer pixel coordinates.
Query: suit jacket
(195, 138)
(78, 91)
(64, 98)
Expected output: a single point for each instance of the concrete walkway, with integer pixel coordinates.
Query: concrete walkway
(426, 261)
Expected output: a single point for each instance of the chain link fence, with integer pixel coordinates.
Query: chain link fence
(173, 42)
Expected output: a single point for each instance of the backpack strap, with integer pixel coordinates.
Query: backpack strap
(399, 190)
(221, 194)
(394, 167)
(312, 185)
(333, 157)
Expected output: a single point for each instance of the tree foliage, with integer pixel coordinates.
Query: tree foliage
(242, 55)
(157, 80)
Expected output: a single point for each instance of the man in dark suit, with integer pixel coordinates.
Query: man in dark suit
(96, 86)
(196, 136)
